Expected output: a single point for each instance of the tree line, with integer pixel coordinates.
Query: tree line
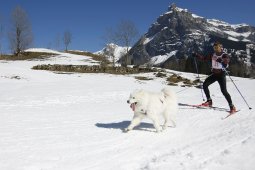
(20, 33)
(21, 37)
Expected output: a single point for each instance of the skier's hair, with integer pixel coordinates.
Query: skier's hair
(217, 43)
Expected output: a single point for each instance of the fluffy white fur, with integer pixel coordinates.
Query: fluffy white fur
(152, 105)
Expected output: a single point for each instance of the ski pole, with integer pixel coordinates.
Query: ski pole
(199, 78)
(236, 88)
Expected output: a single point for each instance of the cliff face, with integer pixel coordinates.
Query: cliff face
(170, 41)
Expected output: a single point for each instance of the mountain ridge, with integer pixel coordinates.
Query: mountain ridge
(184, 32)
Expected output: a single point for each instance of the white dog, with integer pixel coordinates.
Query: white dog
(151, 105)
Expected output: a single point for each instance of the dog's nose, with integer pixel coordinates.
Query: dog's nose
(127, 101)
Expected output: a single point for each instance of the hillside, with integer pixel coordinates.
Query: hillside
(74, 121)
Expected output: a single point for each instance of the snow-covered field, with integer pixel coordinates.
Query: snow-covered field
(52, 121)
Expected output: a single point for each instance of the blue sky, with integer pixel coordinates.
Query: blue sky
(88, 20)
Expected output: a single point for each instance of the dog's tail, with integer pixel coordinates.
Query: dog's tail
(168, 92)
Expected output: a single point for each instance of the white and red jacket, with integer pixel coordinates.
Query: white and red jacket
(216, 66)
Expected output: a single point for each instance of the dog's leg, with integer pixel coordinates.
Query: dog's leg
(165, 124)
(136, 121)
(156, 123)
(173, 123)
(166, 117)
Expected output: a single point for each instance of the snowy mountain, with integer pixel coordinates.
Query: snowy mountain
(74, 121)
(181, 32)
(112, 51)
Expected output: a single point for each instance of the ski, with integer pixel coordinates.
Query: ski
(204, 107)
(230, 114)
(211, 107)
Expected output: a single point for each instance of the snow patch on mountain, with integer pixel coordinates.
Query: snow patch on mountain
(112, 51)
(161, 58)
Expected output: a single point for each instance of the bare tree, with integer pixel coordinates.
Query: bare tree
(57, 42)
(49, 45)
(67, 39)
(124, 35)
(20, 35)
(1, 36)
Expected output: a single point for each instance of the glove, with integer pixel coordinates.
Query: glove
(224, 65)
(219, 60)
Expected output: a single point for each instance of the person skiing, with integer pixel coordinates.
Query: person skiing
(220, 61)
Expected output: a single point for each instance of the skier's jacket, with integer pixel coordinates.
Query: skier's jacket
(219, 62)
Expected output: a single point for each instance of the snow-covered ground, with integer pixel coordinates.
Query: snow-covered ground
(52, 121)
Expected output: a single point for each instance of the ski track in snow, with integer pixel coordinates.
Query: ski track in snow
(74, 121)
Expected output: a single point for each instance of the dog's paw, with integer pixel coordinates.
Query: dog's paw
(159, 131)
(164, 127)
(126, 130)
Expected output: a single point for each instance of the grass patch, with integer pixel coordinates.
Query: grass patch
(175, 79)
(160, 74)
(142, 78)
(92, 69)
(172, 84)
(93, 56)
(27, 56)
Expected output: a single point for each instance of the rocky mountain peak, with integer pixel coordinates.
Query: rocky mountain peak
(183, 32)
(172, 7)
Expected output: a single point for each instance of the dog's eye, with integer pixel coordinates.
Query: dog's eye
(133, 97)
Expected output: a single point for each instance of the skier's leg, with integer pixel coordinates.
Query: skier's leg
(208, 81)
(223, 88)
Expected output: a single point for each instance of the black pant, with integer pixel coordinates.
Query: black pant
(221, 78)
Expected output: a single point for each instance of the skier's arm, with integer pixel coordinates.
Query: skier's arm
(201, 57)
(224, 60)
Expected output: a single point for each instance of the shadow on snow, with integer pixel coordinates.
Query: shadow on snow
(124, 124)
